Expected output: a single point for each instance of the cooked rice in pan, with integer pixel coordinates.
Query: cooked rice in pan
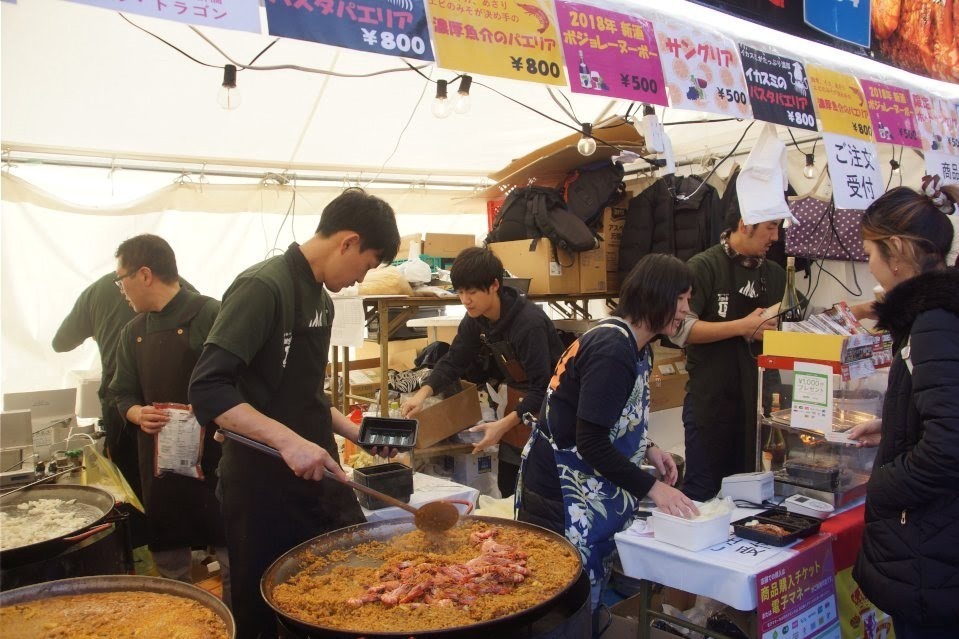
(476, 572)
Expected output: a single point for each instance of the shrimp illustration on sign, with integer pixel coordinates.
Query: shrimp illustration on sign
(537, 13)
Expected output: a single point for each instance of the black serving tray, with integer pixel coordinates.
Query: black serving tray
(813, 475)
(796, 527)
(388, 431)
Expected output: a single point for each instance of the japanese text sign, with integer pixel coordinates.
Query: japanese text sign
(396, 27)
(945, 165)
(743, 552)
(703, 71)
(840, 102)
(778, 89)
(797, 598)
(937, 122)
(517, 40)
(611, 54)
(812, 396)
(843, 19)
(891, 110)
(854, 169)
(241, 15)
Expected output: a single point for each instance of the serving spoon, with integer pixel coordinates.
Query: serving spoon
(432, 517)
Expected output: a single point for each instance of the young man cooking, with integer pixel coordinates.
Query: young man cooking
(509, 332)
(261, 375)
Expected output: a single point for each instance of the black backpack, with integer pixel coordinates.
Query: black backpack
(591, 188)
(535, 212)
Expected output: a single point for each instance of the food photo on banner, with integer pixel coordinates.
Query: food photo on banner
(611, 54)
(390, 27)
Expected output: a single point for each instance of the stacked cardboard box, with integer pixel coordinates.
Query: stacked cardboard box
(614, 218)
(550, 272)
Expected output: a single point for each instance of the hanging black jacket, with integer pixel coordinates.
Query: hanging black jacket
(909, 562)
(670, 217)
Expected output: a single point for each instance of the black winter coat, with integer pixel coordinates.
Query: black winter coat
(909, 562)
(670, 217)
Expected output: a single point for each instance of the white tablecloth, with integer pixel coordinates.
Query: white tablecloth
(702, 573)
(426, 488)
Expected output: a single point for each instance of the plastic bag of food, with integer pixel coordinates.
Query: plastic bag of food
(179, 444)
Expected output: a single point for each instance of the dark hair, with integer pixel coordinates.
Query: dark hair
(650, 291)
(925, 230)
(367, 215)
(477, 268)
(151, 251)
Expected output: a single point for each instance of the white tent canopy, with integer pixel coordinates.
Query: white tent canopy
(83, 85)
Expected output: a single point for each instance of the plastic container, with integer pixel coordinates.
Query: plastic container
(395, 480)
(394, 432)
(795, 526)
(691, 534)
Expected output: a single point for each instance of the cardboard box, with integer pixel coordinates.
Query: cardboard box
(667, 384)
(475, 471)
(592, 270)
(612, 281)
(447, 244)
(548, 277)
(405, 240)
(614, 219)
(448, 417)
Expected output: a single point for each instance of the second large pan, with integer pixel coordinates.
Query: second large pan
(347, 539)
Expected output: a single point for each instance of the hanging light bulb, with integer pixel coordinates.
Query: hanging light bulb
(463, 102)
(229, 96)
(895, 166)
(441, 105)
(810, 169)
(586, 144)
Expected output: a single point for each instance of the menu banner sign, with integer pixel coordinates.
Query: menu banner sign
(240, 15)
(378, 26)
(519, 41)
(703, 70)
(797, 597)
(945, 165)
(840, 102)
(891, 111)
(938, 123)
(778, 89)
(611, 54)
(854, 169)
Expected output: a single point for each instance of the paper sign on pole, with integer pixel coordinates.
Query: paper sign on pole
(854, 169)
(812, 397)
(703, 70)
(778, 89)
(399, 29)
(519, 41)
(938, 123)
(891, 111)
(241, 15)
(945, 165)
(840, 103)
(611, 54)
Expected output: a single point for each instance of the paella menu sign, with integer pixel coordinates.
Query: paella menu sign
(517, 40)
(397, 28)
(854, 169)
(840, 103)
(611, 54)
(797, 598)
(778, 89)
(891, 111)
(703, 70)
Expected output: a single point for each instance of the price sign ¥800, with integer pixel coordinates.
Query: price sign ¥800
(778, 89)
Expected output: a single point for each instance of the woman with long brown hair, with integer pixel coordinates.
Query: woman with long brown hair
(909, 562)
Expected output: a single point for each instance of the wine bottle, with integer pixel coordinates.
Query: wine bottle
(790, 309)
(584, 75)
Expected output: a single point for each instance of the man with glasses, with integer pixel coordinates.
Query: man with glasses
(155, 356)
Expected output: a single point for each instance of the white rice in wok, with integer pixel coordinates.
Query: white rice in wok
(42, 519)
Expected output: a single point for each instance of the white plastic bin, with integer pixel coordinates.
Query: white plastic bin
(691, 534)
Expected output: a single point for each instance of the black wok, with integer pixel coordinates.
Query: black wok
(348, 538)
(119, 583)
(95, 498)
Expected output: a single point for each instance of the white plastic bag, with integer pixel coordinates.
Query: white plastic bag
(415, 270)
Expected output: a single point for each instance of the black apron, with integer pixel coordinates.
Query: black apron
(722, 390)
(267, 509)
(182, 511)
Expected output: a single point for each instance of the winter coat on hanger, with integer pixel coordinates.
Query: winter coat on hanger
(673, 216)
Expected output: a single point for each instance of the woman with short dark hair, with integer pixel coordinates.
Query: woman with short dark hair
(581, 473)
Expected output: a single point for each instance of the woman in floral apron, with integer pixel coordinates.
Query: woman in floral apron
(580, 475)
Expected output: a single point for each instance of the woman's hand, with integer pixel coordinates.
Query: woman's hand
(493, 432)
(669, 500)
(664, 463)
(866, 434)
